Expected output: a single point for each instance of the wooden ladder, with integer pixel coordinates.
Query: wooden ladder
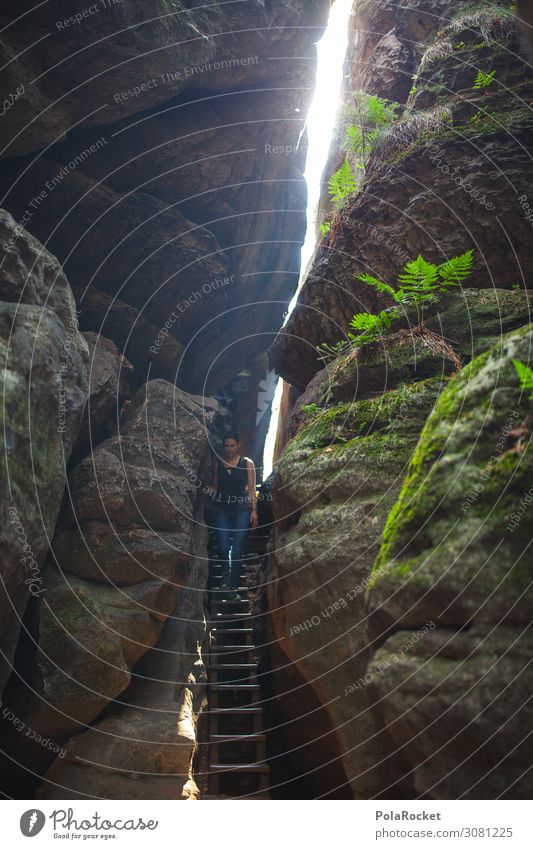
(237, 744)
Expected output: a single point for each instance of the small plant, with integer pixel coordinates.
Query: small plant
(368, 119)
(325, 227)
(525, 376)
(483, 81)
(366, 122)
(413, 90)
(371, 327)
(341, 184)
(422, 281)
(310, 408)
(331, 352)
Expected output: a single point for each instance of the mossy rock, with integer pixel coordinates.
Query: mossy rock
(476, 39)
(462, 324)
(456, 706)
(345, 426)
(333, 488)
(450, 551)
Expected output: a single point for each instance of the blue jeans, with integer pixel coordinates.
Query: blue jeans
(232, 529)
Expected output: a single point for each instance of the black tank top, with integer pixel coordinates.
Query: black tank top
(232, 483)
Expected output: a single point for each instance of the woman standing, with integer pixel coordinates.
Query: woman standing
(234, 486)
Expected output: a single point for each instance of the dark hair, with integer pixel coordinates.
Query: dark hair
(231, 435)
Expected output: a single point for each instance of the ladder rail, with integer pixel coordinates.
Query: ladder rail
(237, 742)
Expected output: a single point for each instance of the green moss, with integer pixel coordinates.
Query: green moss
(381, 425)
(454, 426)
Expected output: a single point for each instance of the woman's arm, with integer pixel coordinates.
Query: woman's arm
(251, 492)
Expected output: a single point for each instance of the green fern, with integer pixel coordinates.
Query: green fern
(419, 284)
(342, 184)
(525, 376)
(419, 276)
(421, 280)
(372, 326)
(330, 352)
(483, 81)
(325, 227)
(377, 284)
(381, 112)
(367, 121)
(457, 269)
(361, 141)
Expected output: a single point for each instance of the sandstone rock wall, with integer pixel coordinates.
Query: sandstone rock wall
(154, 153)
(444, 179)
(45, 367)
(127, 554)
(95, 67)
(164, 158)
(455, 557)
(397, 604)
(143, 745)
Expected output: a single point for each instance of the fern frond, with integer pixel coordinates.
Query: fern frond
(484, 80)
(363, 321)
(525, 376)
(376, 284)
(342, 183)
(419, 275)
(380, 112)
(373, 326)
(456, 269)
(327, 352)
(354, 138)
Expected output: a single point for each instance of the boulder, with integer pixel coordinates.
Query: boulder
(143, 747)
(145, 476)
(333, 488)
(102, 552)
(109, 386)
(455, 704)
(130, 245)
(117, 570)
(44, 360)
(154, 354)
(455, 556)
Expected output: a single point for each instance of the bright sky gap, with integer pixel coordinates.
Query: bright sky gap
(331, 50)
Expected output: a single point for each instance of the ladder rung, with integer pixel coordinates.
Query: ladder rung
(230, 601)
(234, 711)
(239, 617)
(234, 686)
(234, 630)
(240, 768)
(234, 666)
(238, 738)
